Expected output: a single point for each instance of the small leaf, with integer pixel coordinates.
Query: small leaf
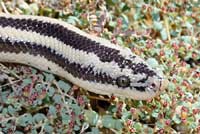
(64, 86)
(24, 7)
(95, 130)
(91, 117)
(50, 91)
(65, 119)
(57, 98)
(155, 113)
(4, 111)
(126, 115)
(25, 120)
(52, 110)
(34, 7)
(27, 81)
(176, 119)
(49, 77)
(125, 21)
(159, 124)
(157, 25)
(112, 24)
(33, 131)
(137, 126)
(73, 20)
(163, 34)
(186, 39)
(76, 128)
(124, 7)
(155, 15)
(152, 62)
(76, 109)
(48, 129)
(108, 122)
(171, 86)
(39, 87)
(137, 15)
(4, 96)
(118, 124)
(1, 108)
(65, 116)
(39, 117)
(11, 110)
(17, 132)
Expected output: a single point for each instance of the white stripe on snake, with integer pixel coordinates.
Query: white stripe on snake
(90, 62)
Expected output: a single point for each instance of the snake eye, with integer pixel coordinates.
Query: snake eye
(123, 81)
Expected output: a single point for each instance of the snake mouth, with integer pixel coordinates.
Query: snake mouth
(163, 84)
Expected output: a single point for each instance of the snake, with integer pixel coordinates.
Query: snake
(90, 62)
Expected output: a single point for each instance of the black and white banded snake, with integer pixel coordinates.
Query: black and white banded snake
(90, 62)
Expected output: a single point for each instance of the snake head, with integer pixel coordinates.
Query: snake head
(135, 79)
(142, 87)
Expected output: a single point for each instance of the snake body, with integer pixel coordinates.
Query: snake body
(90, 62)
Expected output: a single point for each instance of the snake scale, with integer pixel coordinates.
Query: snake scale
(90, 62)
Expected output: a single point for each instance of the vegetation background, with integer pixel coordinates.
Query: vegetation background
(164, 32)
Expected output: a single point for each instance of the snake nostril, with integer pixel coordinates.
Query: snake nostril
(153, 85)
